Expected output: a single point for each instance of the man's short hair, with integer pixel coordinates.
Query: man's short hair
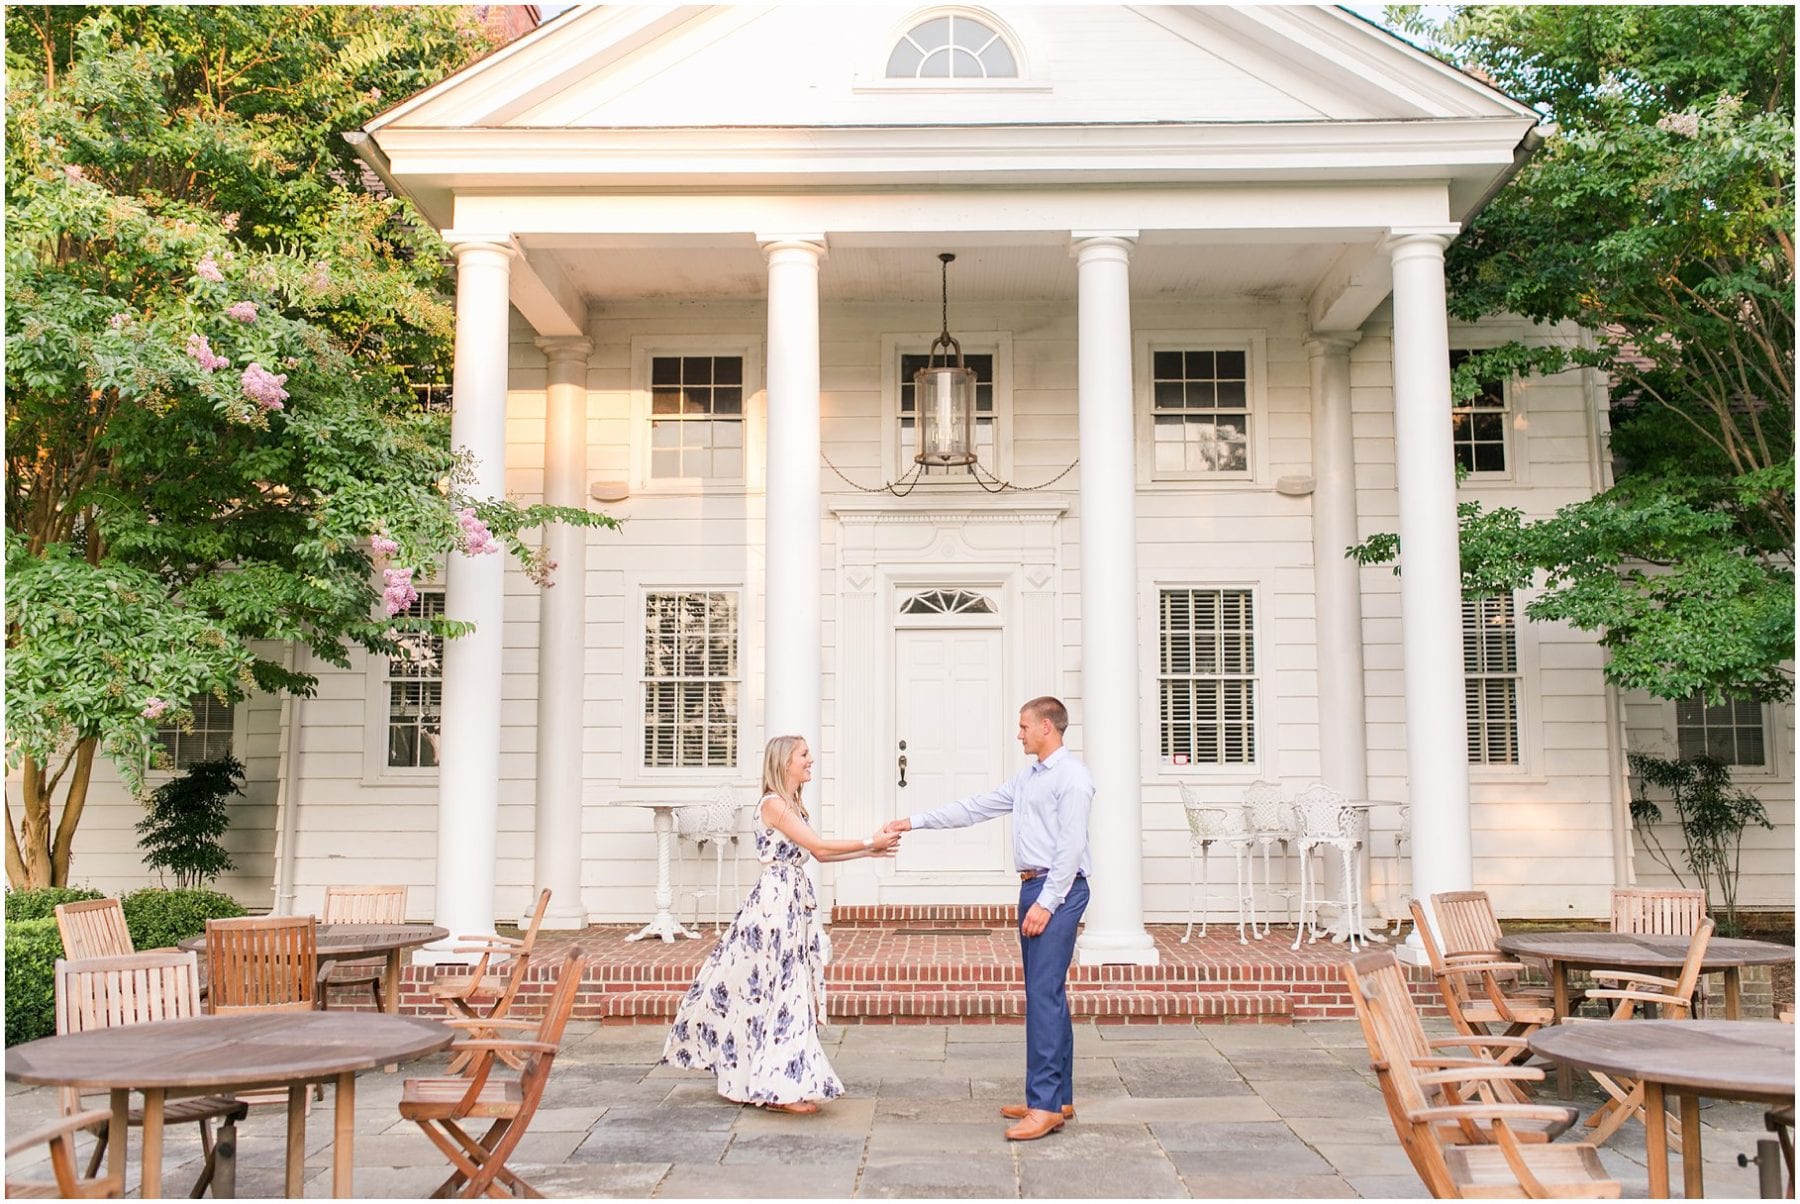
(1051, 709)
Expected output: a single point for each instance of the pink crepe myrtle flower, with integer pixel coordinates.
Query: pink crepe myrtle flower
(399, 593)
(198, 347)
(230, 222)
(243, 311)
(154, 708)
(381, 547)
(208, 269)
(73, 172)
(117, 321)
(477, 539)
(264, 387)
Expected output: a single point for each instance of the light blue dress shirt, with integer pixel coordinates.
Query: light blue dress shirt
(1049, 801)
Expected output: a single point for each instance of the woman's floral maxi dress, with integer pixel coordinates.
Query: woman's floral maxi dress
(752, 1016)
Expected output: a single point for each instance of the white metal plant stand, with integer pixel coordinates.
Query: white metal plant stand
(1227, 824)
(663, 924)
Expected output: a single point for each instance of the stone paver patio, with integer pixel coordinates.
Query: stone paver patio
(1165, 1111)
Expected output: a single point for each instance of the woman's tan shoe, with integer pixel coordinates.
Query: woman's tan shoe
(1018, 1111)
(804, 1108)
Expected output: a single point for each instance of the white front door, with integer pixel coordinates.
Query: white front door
(951, 726)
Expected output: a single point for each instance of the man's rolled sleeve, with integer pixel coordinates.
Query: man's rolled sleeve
(1071, 839)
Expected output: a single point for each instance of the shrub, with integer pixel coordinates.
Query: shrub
(32, 947)
(186, 819)
(159, 917)
(41, 904)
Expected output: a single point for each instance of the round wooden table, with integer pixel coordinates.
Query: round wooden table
(220, 1055)
(343, 942)
(1725, 1059)
(1630, 951)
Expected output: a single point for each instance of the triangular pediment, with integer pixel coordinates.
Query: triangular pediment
(826, 65)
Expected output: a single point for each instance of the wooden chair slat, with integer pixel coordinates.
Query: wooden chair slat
(1658, 912)
(262, 964)
(93, 928)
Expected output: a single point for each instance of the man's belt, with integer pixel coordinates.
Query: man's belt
(1028, 875)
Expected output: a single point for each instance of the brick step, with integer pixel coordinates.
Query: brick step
(926, 915)
(997, 1007)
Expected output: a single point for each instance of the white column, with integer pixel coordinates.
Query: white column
(791, 628)
(562, 638)
(1343, 749)
(1114, 930)
(1437, 755)
(469, 748)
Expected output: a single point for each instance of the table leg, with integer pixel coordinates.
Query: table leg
(664, 924)
(1656, 1140)
(343, 1148)
(1733, 992)
(1693, 1184)
(1559, 1004)
(390, 984)
(296, 1141)
(118, 1134)
(151, 1188)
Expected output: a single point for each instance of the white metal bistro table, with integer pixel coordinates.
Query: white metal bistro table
(663, 923)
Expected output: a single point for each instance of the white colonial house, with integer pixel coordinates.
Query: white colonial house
(1199, 274)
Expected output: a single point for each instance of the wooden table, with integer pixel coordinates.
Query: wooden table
(1726, 1059)
(221, 1055)
(343, 942)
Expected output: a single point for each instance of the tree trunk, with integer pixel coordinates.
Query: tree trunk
(34, 858)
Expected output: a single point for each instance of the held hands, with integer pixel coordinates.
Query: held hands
(885, 842)
(897, 826)
(1034, 920)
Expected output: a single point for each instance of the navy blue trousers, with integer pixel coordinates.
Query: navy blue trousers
(1049, 1033)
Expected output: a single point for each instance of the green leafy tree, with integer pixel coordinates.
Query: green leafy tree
(1659, 217)
(211, 318)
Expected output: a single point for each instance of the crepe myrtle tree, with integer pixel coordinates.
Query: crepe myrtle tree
(211, 447)
(1658, 217)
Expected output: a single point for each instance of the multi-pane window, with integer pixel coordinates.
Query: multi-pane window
(1478, 425)
(210, 738)
(690, 680)
(696, 417)
(1200, 411)
(952, 47)
(1491, 678)
(1730, 732)
(415, 682)
(983, 367)
(1207, 676)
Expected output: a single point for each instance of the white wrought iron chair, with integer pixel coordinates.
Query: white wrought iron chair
(1227, 824)
(716, 824)
(1328, 822)
(1272, 822)
(1402, 882)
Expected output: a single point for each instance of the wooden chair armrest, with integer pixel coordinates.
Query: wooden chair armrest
(1640, 997)
(1489, 1112)
(92, 1118)
(475, 1045)
(1489, 967)
(1444, 1063)
(1632, 976)
(498, 942)
(531, 1025)
(1497, 1042)
(1523, 1074)
(1474, 955)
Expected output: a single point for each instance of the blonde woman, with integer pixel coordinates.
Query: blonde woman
(752, 1016)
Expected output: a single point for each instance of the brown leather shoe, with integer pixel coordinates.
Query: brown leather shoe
(1019, 1111)
(1035, 1125)
(804, 1107)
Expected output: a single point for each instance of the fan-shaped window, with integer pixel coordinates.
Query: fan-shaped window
(947, 602)
(952, 47)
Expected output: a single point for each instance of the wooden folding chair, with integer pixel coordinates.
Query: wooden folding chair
(1673, 999)
(68, 1184)
(93, 928)
(1468, 930)
(442, 1106)
(1379, 974)
(1658, 912)
(139, 988)
(1475, 987)
(1435, 1104)
(361, 905)
(485, 993)
(263, 964)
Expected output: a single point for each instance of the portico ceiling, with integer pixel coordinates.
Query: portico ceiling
(735, 270)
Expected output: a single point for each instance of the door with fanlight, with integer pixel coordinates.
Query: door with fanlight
(950, 729)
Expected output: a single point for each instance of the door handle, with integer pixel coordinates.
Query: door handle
(902, 764)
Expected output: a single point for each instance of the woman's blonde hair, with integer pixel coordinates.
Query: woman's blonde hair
(776, 756)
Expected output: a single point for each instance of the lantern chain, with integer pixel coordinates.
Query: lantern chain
(911, 480)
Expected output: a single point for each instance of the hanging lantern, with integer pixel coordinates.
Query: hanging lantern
(944, 398)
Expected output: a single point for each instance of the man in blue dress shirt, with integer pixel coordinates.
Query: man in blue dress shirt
(1049, 802)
